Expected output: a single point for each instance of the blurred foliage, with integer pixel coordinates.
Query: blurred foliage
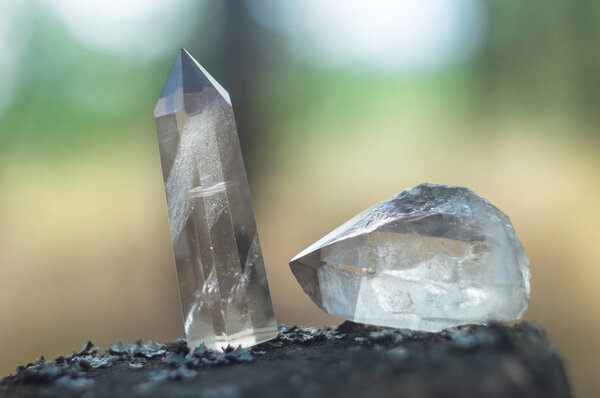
(539, 57)
(542, 56)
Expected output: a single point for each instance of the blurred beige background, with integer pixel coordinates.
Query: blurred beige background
(332, 121)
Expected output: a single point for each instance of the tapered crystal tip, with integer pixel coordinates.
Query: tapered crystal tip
(189, 88)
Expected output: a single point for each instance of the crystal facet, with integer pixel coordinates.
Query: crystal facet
(222, 281)
(429, 258)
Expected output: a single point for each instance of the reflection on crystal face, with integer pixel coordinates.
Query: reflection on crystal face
(428, 258)
(222, 280)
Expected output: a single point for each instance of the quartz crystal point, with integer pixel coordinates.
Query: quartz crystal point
(429, 258)
(222, 281)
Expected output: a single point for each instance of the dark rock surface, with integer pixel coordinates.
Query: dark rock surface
(350, 360)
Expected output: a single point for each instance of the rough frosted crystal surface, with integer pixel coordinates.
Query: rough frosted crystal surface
(429, 258)
(222, 281)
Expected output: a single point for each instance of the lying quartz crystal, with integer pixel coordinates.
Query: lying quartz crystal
(429, 258)
(222, 281)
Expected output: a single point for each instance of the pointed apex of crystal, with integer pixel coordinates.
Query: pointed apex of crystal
(189, 88)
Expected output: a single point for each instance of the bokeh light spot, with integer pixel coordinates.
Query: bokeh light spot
(137, 28)
(407, 35)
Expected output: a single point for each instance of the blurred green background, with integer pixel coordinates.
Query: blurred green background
(339, 105)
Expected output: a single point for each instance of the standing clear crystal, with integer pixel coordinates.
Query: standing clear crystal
(428, 258)
(222, 281)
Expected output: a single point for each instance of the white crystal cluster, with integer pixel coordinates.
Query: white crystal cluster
(429, 258)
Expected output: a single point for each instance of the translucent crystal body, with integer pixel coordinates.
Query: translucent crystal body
(222, 281)
(428, 258)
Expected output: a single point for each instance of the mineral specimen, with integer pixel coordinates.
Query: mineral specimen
(222, 281)
(429, 258)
